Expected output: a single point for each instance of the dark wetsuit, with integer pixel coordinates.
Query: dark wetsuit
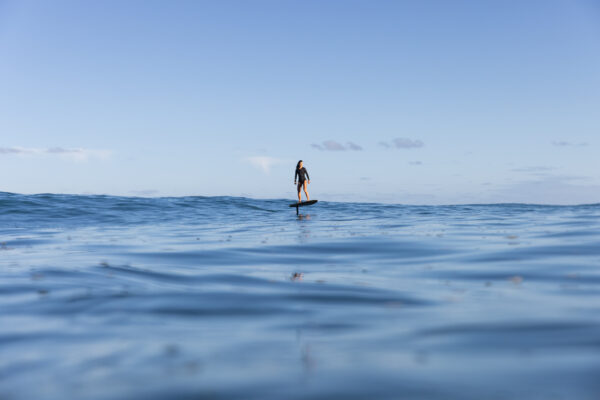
(302, 174)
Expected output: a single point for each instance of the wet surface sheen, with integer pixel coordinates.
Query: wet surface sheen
(208, 298)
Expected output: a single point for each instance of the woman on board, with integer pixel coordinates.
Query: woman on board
(303, 180)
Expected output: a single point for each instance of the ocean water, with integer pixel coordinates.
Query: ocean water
(232, 298)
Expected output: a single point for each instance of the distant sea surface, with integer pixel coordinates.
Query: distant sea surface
(107, 297)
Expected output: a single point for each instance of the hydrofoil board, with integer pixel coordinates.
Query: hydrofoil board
(304, 203)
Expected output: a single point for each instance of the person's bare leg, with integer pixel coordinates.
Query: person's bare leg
(305, 192)
(299, 193)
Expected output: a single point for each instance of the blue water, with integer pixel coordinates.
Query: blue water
(107, 297)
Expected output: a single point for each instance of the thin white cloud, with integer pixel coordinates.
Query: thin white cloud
(552, 189)
(332, 145)
(78, 154)
(415, 163)
(354, 146)
(264, 163)
(10, 150)
(562, 143)
(403, 143)
(145, 192)
(539, 168)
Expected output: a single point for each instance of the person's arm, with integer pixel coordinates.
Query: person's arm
(295, 176)
(307, 176)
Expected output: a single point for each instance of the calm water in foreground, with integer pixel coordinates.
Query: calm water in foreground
(231, 298)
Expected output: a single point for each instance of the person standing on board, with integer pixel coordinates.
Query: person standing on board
(303, 180)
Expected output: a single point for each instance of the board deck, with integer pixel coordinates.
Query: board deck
(304, 203)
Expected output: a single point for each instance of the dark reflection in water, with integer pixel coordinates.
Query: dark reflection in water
(190, 298)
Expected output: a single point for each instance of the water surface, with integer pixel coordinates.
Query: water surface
(107, 297)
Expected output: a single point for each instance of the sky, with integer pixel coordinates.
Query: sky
(413, 102)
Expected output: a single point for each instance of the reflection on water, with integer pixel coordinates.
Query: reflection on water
(303, 216)
(111, 298)
(303, 228)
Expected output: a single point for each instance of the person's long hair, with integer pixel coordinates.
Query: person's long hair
(298, 165)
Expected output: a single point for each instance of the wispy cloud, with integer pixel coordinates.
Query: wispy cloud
(353, 146)
(10, 150)
(562, 143)
(332, 145)
(145, 192)
(78, 154)
(533, 169)
(264, 163)
(415, 163)
(550, 189)
(403, 143)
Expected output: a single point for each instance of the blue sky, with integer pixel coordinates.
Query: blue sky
(420, 102)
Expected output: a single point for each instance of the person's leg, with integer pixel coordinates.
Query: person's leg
(306, 191)
(299, 195)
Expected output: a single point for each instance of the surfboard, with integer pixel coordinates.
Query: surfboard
(304, 203)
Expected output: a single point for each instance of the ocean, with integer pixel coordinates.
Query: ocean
(105, 297)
